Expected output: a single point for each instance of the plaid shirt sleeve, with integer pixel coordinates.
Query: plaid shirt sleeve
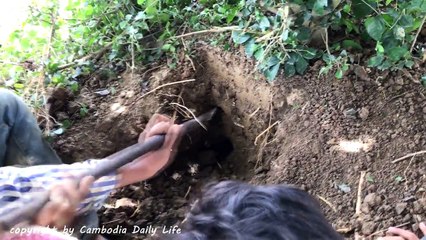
(17, 182)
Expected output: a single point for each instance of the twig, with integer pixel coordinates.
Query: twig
(417, 34)
(159, 87)
(95, 55)
(187, 192)
(359, 199)
(325, 39)
(265, 131)
(213, 30)
(384, 230)
(254, 113)
(408, 155)
(405, 173)
(344, 230)
(328, 203)
(359, 194)
(193, 115)
(168, 84)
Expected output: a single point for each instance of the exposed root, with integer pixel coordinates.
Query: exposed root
(265, 131)
(193, 115)
(408, 155)
(384, 230)
(328, 203)
(213, 30)
(359, 199)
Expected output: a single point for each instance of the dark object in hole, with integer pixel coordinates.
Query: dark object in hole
(211, 147)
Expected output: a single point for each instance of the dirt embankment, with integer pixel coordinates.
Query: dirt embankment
(315, 132)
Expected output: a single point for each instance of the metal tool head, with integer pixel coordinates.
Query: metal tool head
(196, 130)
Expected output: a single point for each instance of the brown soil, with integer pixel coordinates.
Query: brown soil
(290, 132)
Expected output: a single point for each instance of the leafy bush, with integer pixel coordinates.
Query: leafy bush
(60, 44)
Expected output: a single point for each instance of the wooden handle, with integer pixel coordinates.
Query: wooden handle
(112, 163)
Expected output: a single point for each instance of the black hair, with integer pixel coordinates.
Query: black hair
(232, 210)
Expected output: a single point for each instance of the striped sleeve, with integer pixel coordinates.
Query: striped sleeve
(16, 182)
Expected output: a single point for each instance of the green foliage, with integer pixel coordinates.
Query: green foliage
(282, 36)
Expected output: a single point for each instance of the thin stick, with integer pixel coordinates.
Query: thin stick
(328, 203)
(187, 192)
(159, 87)
(193, 115)
(359, 194)
(359, 200)
(265, 131)
(254, 113)
(408, 156)
(326, 41)
(168, 84)
(344, 230)
(417, 34)
(213, 30)
(384, 230)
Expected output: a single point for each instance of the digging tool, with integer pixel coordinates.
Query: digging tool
(193, 131)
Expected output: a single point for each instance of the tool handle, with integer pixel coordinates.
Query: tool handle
(111, 163)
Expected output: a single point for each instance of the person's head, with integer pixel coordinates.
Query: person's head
(233, 210)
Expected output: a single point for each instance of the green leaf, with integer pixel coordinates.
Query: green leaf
(18, 86)
(272, 72)
(361, 8)
(250, 47)
(351, 44)
(339, 74)
(239, 37)
(272, 61)
(319, 6)
(289, 70)
(397, 53)
(264, 23)
(376, 60)
(259, 54)
(141, 2)
(375, 27)
(301, 65)
(304, 34)
(151, 7)
(309, 53)
(380, 48)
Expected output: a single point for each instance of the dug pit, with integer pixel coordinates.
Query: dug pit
(231, 150)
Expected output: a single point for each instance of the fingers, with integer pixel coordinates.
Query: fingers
(159, 128)
(156, 118)
(408, 235)
(422, 227)
(84, 187)
(390, 238)
(64, 200)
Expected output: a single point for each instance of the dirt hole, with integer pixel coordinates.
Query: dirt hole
(229, 151)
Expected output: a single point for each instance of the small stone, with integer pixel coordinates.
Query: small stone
(400, 207)
(372, 199)
(368, 228)
(361, 73)
(363, 113)
(130, 94)
(399, 81)
(350, 113)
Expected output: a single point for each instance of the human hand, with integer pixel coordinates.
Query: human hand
(150, 164)
(402, 234)
(64, 200)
